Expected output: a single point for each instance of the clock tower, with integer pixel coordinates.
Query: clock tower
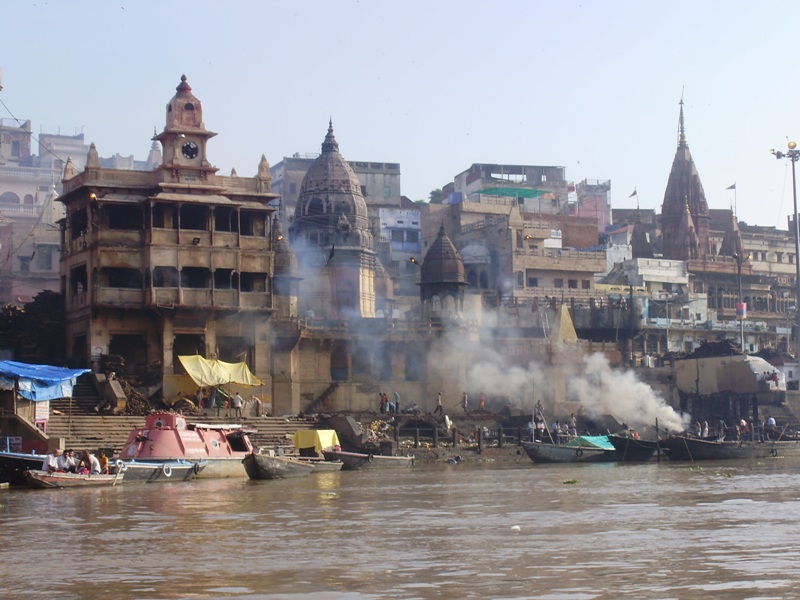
(184, 140)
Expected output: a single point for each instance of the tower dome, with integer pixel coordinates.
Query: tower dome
(330, 200)
(442, 263)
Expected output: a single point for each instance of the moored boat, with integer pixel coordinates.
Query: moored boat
(632, 449)
(581, 449)
(359, 460)
(14, 464)
(159, 471)
(681, 447)
(263, 466)
(321, 465)
(167, 436)
(43, 479)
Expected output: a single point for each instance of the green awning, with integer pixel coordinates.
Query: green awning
(513, 192)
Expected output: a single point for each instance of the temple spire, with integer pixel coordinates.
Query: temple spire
(681, 129)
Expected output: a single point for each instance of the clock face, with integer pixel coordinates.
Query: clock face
(189, 149)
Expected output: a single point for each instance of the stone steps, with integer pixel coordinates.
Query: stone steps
(93, 431)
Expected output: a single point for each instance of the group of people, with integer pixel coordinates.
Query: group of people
(562, 431)
(387, 406)
(439, 410)
(763, 430)
(213, 399)
(66, 462)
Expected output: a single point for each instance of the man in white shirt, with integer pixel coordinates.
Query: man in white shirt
(237, 404)
(66, 462)
(50, 461)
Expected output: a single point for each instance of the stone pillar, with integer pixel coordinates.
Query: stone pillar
(167, 343)
(285, 389)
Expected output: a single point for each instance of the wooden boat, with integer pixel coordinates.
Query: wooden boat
(542, 452)
(358, 460)
(263, 466)
(43, 479)
(681, 447)
(321, 465)
(158, 471)
(14, 464)
(167, 436)
(630, 449)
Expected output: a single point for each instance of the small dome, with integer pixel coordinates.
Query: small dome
(442, 263)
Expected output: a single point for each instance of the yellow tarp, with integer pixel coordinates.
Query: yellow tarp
(216, 372)
(315, 438)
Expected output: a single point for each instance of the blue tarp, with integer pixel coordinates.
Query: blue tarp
(38, 382)
(592, 441)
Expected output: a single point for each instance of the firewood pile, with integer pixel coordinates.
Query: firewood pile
(137, 403)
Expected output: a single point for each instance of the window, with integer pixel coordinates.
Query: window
(585, 284)
(412, 236)
(364, 191)
(397, 235)
(15, 148)
(520, 279)
(779, 257)
(531, 278)
(572, 284)
(387, 191)
(519, 239)
(558, 283)
(292, 188)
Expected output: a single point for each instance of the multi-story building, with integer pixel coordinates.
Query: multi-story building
(174, 261)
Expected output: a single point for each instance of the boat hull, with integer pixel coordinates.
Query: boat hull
(632, 449)
(160, 471)
(694, 449)
(14, 464)
(541, 452)
(263, 466)
(42, 479)
(321, 465)
(352, 461)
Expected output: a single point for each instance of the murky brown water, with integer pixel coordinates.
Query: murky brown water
(633, 531)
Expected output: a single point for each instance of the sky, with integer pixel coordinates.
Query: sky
(433, 85)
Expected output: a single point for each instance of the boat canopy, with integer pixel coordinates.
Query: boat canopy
(591, 441)
(206, 372)
(315, 438)
(38, 382)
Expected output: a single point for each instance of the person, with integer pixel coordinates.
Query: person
(237, 404)
(482, 401)
(573, 422)
(771, 421)
(396, 401)
(464, 401)
(531, 432)
(380, 400)
(257, 403)
(705, 429)
(89, 463)
(556, 431)
(198, 398)
(102, 460)
(219, 403)
(50, 462)
(212, 397)
(540, 430)
(439, 408)
(70, 466)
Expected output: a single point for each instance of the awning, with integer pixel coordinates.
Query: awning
(217, 372)
(38, 382)
(315, 438)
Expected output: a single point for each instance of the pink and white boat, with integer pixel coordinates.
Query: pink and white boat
(168, 436)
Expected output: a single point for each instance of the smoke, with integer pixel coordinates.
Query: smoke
(603, 390)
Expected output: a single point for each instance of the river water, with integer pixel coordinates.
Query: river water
(668, 530)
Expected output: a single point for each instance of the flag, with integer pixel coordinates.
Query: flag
(635, 193)
(331, 253)
(732, 187)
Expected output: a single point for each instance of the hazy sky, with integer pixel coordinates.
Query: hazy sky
(434, 86)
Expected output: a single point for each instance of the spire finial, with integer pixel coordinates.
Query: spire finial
(681, 129)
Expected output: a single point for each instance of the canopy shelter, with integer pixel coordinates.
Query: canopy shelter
(38, 382)
(315, 438)
(206, 372)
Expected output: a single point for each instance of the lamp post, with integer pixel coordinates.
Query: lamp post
(793, 154)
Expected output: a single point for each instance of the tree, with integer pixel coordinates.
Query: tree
(436, 196)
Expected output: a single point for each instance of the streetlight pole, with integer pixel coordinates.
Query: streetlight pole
(793, 154)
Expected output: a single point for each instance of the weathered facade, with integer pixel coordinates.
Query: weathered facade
(178, 260)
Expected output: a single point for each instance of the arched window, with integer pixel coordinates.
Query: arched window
(9, 198)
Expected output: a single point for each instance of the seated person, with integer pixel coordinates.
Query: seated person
(50, 462)
(102, 460)
(89, 464)
(66, 462)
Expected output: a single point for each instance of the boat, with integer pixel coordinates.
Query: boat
(166, 436)
(321, 465)
(14, 464)
(682, 447)
(43, 479)
(581, 449)
(264, 466)
(632, 449)
(360, 460)
(308, 444)
(158, 471)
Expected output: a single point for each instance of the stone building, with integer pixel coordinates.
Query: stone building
(174, 261)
